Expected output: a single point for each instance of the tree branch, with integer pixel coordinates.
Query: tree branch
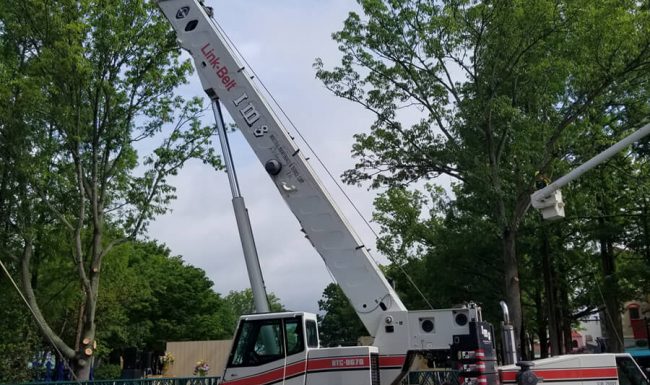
(26, 276)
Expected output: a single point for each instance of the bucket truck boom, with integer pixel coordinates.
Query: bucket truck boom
(548, 200)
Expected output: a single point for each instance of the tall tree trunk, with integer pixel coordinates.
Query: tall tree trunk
(549, 289)
(83, 371)
(80, 323)
(31, 299)
(609, 291)
(541, 324)
(613, 322)
(513, 295)
(646, 232)
(527, 349)
(86, 352)
(559, 309)
(567, 321)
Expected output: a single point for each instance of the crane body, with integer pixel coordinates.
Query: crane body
(456, 338)
(398, 334)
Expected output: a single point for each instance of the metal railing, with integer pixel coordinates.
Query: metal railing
(136, 381)
(441, 376)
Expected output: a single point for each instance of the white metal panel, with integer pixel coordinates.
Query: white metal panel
(572, 369)
(340, 366)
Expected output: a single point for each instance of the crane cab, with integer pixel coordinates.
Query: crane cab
(264, 338)
(284, 347)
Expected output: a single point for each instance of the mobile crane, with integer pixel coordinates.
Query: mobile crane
(399, 335)
(284, 347)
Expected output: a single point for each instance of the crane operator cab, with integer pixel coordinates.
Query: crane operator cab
(284, 347)
(261, 339)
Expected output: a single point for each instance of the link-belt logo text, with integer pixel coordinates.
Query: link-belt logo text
(221, 71)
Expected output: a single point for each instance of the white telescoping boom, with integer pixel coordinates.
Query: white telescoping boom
(443, 336)
(549, 199)
(224, 78)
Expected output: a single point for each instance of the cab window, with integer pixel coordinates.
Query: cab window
(293, 331)
(629, 372)
(312, 334)
(257, 343)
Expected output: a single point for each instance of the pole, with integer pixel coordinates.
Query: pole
(509, 351)
(243, 221)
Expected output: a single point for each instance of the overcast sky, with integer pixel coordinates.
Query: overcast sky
(280, 40)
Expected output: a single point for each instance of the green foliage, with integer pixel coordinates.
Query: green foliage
(184, 293)
(18, 335)
(151, 297)
(340, 325)
(238, 303)
(420, 234)
(108, 372)
(85, 83)
(499, 92)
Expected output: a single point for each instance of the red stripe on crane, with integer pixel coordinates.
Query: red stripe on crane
(565, 374)
(391, 361)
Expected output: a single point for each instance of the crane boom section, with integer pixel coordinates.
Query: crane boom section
(223, 77)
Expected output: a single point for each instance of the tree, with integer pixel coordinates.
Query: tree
(185, 306)
(241, 302)
(420, 233)
(500, 90)
(92, 79)
(150, 297)
(340, 325)
(608, 218)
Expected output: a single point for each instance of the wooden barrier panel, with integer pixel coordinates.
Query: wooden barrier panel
(188, 353)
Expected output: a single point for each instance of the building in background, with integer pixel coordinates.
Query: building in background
(636, 331)
(636, 318)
